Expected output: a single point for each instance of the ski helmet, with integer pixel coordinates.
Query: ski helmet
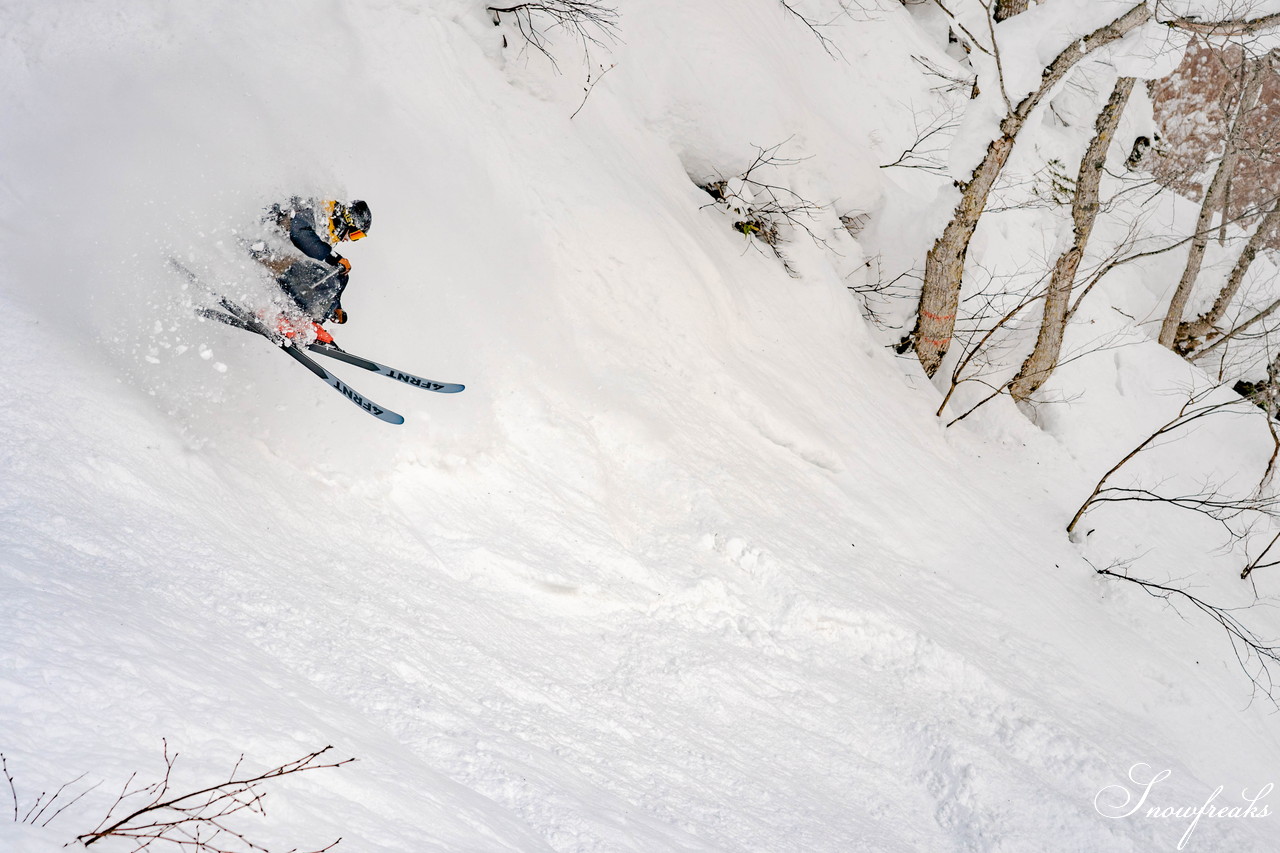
(353, 219)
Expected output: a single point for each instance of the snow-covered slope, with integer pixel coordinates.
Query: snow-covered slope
(689, 566)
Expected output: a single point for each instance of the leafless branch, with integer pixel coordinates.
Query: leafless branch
(1193, 409)
(1241, 327)
(974, 42)
(592, 22)
(885, 291)
(1117, 259)
(42, 802)
(995, 53)
(926, 159)
(13, 790)
(197, 821)
(950, 83)
(1257, 563)
(1093, 348)
(1227, 27)
(816, 28)
(591, 84)
(1255, 656)
(972, 352)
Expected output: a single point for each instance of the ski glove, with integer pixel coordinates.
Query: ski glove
(338, 316)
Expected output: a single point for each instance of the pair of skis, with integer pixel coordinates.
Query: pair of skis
(241, 318)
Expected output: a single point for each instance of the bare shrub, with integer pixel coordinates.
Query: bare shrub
(155, 815)
(761, 208)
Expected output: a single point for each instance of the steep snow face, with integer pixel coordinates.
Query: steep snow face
(689, 566)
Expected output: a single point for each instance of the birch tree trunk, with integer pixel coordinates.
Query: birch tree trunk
(1251, 87)
(1191, 331)
(944, 265)
(1084, 212)
(1256, 318)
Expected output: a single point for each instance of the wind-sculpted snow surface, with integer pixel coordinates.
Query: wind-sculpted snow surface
(655, 581)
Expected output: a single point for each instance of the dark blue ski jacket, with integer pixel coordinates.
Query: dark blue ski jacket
(316, 289)
(303, 235)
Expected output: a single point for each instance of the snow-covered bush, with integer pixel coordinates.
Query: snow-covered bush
(761, 209)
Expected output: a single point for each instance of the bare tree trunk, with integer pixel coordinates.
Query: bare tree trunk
(1006, 9)
(944, 265)
(1190, 331)
(1084, 212)
(1256, 318)
(1224, 208)
(1251, 86)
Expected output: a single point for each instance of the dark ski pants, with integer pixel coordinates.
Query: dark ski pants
(314, 287)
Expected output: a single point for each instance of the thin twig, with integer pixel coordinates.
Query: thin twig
(1185, 415)
(1245, 644)
(1257, 563)
(591, 84)
(827, 44)
(13, 791)
(194, 820)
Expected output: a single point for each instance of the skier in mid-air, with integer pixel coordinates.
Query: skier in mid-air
(313, 275)
(314, 280)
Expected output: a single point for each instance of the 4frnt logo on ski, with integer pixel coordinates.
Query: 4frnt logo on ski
(241, 318)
